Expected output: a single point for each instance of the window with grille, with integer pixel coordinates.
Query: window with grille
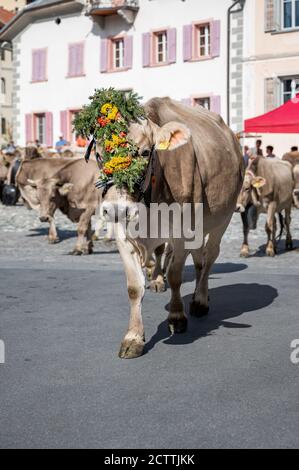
(290, 14)
(118, 51)
(161, 47)
(203, 40)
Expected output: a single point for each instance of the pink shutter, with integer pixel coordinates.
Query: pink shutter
(35, 65)
(186, 101)
(71, 70)
(63, 124)
(187, 42)
(216, 104)
(146, 49)
(128, 53)
(79, 66)
(215, 38)
(104, 55)
(49, 129)
(28, 128)
(171, 42)
(43, 64)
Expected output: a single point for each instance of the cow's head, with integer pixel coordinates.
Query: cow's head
(49, 192)
(146, 135)
(296, 190)
(251, 191)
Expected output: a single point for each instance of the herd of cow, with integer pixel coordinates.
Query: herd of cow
(201, 163)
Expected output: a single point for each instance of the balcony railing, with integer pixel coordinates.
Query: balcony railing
(111, 7)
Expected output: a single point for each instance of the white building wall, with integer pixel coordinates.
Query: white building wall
(180, 80)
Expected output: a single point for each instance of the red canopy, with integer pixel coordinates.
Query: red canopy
(283, 120)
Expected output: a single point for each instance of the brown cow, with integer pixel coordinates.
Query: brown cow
(293, 159)
(202, 164)
(49, 184)
(268, 185)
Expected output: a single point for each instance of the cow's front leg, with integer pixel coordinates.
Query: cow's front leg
(84, 243)
(133, 343)
(52, 236)
(271, 229)
(177, 320)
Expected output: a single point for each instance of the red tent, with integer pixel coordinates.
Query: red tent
(283, 120)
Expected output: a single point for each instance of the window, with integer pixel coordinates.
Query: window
(40, 128)
(3, 126)
(3, 86)
(290, 14)
(118, 53)
(39, 65)
(203, 40)
(289, 87)
(205, 102)
(2, 54)
(160, 47)
(76, 60)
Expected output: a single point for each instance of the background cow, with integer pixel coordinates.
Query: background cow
(293, 159)
(267, 187)
(67, 184)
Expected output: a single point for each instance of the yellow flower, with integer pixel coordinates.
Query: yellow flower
(110, 111)
(117, 164)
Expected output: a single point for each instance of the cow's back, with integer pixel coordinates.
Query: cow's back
(219, 165)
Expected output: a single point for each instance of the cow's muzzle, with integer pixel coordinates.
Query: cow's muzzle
(44, 218)
(240, 208)
(115, 213)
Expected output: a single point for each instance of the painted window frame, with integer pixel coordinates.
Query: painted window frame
(154, 47)
(282, 93)
(282, 13)
(205, 96)
(196, 25)
(111, 43)
(35, 115)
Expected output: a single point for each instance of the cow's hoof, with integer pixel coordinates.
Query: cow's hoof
(244, 254)
(157, 286)
(131, 349)
(95, 237)
(76, 252)
(177, 323)
(198, 310)
(52, 241)
(270, 252)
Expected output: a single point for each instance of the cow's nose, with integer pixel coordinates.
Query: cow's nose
(296, 192)
(239, 208)
(44, 218)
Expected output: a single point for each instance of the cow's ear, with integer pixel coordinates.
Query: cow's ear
(32, 183)
(171, 136)
(258, 182)
(65, 188)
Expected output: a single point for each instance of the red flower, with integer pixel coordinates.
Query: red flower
(103, 121)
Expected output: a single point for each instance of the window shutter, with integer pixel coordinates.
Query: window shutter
(28, 128)
(63, 124)
(72, 60)
(104, 55)
(49, 129)
(34, 65)
(171, 44)
(146, 49)
(186, 101)
(272, 93)
(79, 61)
(187, 42)
(43, 65)
(128, 52)
(272, 15)
(39, 65)
(216, 104)
(215, 38)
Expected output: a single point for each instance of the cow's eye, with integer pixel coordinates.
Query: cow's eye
(145, 153)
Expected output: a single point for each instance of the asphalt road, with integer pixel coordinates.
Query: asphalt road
(227, 382)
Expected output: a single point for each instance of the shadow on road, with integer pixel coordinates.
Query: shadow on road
(261, 251)
(218, 268)
(227, 302)
(43, 231)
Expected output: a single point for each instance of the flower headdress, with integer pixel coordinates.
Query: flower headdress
(107, 119)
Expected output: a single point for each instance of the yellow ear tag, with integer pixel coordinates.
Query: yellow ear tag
(163, 145)
(259, 184)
